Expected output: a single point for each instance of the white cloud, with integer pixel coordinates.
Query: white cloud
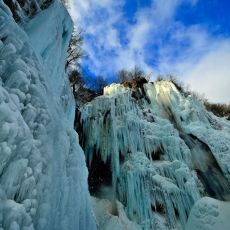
(99, 18)
(201, 61)
(211, 75)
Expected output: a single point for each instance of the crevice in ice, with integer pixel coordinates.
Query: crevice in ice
(207, 168)
(114, 210)
(22, 10)
(139, 94)
(159, 208)
(157, 153)
(100, 175)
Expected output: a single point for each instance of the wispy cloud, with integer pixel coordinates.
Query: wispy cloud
(156, 41)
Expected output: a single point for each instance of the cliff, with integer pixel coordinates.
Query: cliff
(43, 175)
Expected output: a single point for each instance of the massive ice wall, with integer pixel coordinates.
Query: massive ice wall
(164, 151)
(43, 176)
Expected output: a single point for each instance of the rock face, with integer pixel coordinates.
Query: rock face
(158, 149)
(43, 175)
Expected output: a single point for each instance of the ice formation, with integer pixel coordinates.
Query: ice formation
(43, 175)
(22, 11)
(164, 150)
(209, 214)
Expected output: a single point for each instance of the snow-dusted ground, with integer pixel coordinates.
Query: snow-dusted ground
(164, 149)
(111, 215)
(43, 176)
(209, 214)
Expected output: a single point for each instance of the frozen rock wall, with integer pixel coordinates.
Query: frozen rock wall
(43, 176)
(164, 151)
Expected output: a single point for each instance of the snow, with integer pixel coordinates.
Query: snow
(43, 174)
(209, 214)
(111, 215)
(162, 160)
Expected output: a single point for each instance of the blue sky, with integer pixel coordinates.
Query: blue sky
(187, 38)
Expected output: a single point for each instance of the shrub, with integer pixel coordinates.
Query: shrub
(129, 75)
(135, 83)
(220, 110)
(160, 78)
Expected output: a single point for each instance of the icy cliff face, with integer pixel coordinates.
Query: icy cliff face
(43, 176)
(160, 149)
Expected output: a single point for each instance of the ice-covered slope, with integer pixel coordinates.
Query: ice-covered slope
(158, 148)
(43, 176)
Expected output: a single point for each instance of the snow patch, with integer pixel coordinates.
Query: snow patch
(111, 215)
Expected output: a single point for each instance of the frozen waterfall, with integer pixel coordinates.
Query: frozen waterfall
(155, 144)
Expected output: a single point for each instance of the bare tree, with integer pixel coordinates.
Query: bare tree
(128, 75)
(76, 80)
(75, 52)
(74, 55)
(220, 110)
(160, 78)
(123, 75)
